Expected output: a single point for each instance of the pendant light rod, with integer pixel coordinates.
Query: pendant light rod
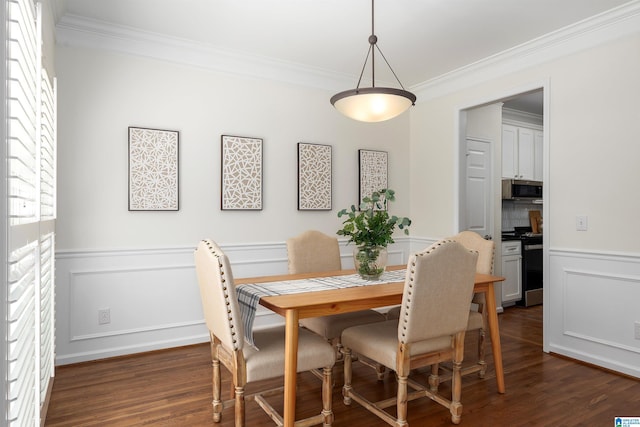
(373, 40)
(373, 44)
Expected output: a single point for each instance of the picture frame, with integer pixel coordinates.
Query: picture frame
(314, 177)
(241, 173)
(373, 168)
(153, 169)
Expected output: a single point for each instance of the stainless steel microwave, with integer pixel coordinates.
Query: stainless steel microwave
(515, 189)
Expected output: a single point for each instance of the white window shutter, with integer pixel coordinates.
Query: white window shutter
(30, 202)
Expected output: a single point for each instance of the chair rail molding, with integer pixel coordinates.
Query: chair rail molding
(152, 296)
(154, 301)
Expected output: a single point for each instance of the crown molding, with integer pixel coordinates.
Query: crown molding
(586, 34)
(77, 31)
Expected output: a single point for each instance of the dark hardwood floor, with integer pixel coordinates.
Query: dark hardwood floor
(173, 387)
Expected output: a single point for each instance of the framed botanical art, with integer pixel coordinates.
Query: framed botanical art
(241, 173)
(153, 169)
(314, 176)
(373, 167)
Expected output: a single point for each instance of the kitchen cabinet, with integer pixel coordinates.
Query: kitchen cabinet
(512, 272)
(521, 153)
(538, 143)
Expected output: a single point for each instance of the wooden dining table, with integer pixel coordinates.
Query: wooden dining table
(294, 307)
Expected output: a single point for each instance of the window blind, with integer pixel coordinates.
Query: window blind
(47, 148)
(47, 319)
(31, 199)
(22, 83)
(21, 338)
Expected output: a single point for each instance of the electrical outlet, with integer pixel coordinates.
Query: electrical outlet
(637, 330)
(104, 316)
(581, 223)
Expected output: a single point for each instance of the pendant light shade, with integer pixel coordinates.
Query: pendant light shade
(373, 104)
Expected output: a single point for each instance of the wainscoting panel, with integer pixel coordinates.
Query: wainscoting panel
(97, 290)
(594, 301)
(153, 299)
(152, 296)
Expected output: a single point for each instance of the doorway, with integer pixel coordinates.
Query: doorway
(482, 123)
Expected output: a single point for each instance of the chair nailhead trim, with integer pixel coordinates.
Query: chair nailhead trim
(232, 326)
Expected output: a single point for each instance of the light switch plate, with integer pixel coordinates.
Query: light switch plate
(581, 223)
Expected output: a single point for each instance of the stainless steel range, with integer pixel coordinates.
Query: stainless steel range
(531, 264)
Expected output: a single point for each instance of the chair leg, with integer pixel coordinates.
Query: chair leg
(239, 406)
(346, 388)
(327, 387)
(402, 401)
(217, 385)
(434, 379)
(380, 370)
(481, 361)
(456, 379)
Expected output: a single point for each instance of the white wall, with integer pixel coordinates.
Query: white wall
(592, 124)
(139, 264)
(102, 93)
(593, 127)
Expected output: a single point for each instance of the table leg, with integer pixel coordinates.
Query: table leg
(494, 331)
(290, 366)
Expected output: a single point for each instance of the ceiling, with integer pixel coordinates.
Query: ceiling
(421, 39)
(530, 102)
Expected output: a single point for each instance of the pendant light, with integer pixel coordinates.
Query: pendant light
(373, 104)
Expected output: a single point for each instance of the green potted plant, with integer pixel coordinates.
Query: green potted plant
(371, 229)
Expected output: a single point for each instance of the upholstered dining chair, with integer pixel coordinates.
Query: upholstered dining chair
(478, 315)
(314, 252)
(433, 319)
(246, 363)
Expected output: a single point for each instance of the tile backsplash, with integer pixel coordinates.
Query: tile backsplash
(516, 213)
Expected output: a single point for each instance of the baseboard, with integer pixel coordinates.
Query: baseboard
(104, 353)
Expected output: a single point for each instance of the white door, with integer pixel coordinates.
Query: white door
(478, 187)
